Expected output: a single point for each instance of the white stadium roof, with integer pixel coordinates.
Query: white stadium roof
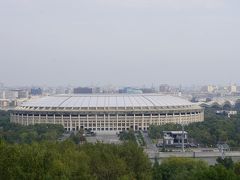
(107, 100)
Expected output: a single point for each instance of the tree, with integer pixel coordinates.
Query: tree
(217, 172)
(181, 168)
(156, 171)
(227, 162)
(237, 168)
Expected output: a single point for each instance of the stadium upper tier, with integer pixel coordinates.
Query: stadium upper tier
(107, 101)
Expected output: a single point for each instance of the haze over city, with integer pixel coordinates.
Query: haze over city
(119, 42)
(120, 89)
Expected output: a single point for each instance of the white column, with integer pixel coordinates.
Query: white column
(87, 122)
(125, 126)
(67, 124)
(62, 121)
(108, 122)
(54, 119)
(117, 122)
(133, 122)
(151, 119)
(166, 119)
(79, 124)
(104, 121)
(96, 121)
(70, 121)
(159, 119)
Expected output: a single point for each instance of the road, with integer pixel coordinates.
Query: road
(104, 138)
(64, 136)
(150, 148)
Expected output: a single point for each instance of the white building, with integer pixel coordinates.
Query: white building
(107, 112)
(233, 89)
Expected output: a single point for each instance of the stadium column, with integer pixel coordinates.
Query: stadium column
(133, 122)
(117, 122)
(180, 115)
(22, 119)
(87, 122)
(143, 122)
(96, 122)
(33, 120)
(54, 119)
(159, 119)
(62, 121)
(39, 118)
(79, 124)
(70, 120)
(27, 119)
(125, 123)
(104, 122)
(108, 122)
(151, 118)
(67, 123)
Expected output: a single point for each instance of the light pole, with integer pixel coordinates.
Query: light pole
(183, 150)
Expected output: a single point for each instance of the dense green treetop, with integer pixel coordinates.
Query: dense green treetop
(66, 160)
(15, 133)
(214, 129)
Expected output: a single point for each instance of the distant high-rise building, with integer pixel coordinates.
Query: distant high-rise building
(164, 88)
(83, 90)
(20, 93)
(97, 90)
(9, 94)
(209, 89)
(2, 94)
(4, 103)
(23, 94)
(148, 90)
(36, 91)
(59, 91)
(68, 91)
(130, 90)
(233, 89)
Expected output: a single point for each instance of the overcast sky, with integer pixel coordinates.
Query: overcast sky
(119, 42)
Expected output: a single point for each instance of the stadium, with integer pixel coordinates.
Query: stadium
(107, 112)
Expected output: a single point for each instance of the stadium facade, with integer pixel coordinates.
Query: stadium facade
(115, 112)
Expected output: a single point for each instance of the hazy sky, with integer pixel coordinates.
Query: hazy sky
(120, 42)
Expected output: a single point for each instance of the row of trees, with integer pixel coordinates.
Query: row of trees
(36, 158)
(66, 160)
(15, 133)
(128, 136)
(192, 169)
(214, 129)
